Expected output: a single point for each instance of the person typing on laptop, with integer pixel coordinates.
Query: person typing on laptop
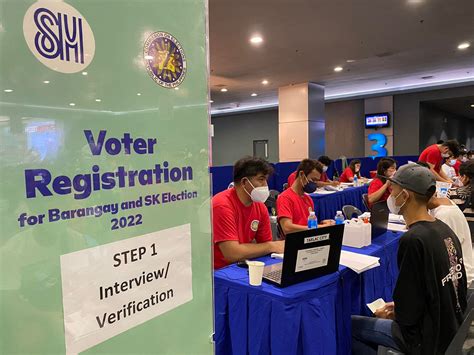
(430, 293)
(293, 204)
(240, 221)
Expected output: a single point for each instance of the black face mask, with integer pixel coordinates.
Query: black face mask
(310, 187)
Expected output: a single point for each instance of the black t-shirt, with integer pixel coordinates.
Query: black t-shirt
(430, 294)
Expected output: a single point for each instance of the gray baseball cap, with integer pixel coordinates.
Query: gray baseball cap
(415, 178)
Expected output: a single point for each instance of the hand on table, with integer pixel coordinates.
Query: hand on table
(327, 223)
(386, 312)
(278, 246)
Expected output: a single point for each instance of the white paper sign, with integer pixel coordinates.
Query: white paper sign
(312, 258)
(114, 287)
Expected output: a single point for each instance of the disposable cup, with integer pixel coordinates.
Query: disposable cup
(442, 189)
(255, 272)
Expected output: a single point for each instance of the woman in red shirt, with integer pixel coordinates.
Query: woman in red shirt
(352, 170)
(379, 188)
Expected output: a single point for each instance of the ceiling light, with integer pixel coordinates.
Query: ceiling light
(256, 39)
(139, 94)
(98, 100)
(149, 57)
(84, 73)
(46, 82)
(223, 90)
(464, 45)
(350, 61)
(8, 90)
(253, 94)
(265, 82)
(472, 105)
(338, 69)
(176, 88)
(72, 104)
(211, 101)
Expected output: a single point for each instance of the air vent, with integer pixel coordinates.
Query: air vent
(427, 77)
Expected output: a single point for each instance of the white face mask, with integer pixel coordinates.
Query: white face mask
(391, 203)
(325, 168)
(452, 162)
(445, 155)
(258, 194)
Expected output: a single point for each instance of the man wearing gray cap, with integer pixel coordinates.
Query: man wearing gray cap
(430, 294)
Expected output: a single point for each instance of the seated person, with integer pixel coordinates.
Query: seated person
(352, 170)
(429, 299)
(323, 180)
(435, 154)
(448, 167)
(239, 215)
(293, 205)
(446, 211)
(379, 188)
(463, 193)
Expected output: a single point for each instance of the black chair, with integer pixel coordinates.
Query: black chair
(350, 210)
(456, 345)
(271, 202)
(365, 201)
(285, 186)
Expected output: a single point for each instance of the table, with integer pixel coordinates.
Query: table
(326, 205)
(312, 317)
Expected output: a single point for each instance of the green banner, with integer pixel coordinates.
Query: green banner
(105, 240)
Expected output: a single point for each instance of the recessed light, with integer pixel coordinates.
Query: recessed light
(464, 45)
(72, 104)
(211, 101)
(139, 94)
(98, 100)
(265, 82)
(338, 69)
(472, 105)
(84, 73)
(8, 90)
(256, 39)
(254, 94)
(46, 81)
(148, 57)
(224, 90)
(176, 88)
(350, 61)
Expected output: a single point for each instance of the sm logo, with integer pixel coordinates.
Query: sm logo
(59, 36)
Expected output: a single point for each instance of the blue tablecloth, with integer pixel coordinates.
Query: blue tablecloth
(308, 318)
(327, 205)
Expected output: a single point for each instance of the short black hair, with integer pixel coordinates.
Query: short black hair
(383, 165)
(353, 163)
(324, 159)
(467, 169)
(251, 166)
(453, 146)
(423, 164)
(308, 165)
(440, 141)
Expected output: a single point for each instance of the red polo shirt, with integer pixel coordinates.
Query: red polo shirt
(232, 220)
(432, 155)
(376, 185)
(456, 166)
(293, 206)
(346, 175)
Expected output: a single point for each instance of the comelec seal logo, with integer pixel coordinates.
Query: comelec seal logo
(254, 225)
(164, 59)
(59, 36)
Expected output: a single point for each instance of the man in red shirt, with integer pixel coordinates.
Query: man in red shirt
(323, 180)
(293, 204)
(239, 216)
(435, 154)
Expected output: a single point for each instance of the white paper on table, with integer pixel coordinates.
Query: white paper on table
(324, 192)
(395, 218)
(395, 227)
(358, 262)
(277, 255)
(377, 304)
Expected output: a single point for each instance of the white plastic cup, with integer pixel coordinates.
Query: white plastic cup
(442, 189)
(255, 272)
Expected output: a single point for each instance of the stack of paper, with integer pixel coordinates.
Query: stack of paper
(397, 227)
(395, 218)
(377, 304)
(358, 262)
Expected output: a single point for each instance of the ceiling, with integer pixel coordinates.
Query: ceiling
(460, 106)
(393, 44)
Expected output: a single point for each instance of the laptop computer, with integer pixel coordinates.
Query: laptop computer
(379, 218)
(308, 254)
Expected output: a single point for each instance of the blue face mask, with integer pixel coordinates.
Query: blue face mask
(310, 186)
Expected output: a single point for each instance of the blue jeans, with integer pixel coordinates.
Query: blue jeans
(369, 332)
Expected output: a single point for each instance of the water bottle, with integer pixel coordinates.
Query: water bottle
(339, 217)
(312, 220)
(356, 181)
